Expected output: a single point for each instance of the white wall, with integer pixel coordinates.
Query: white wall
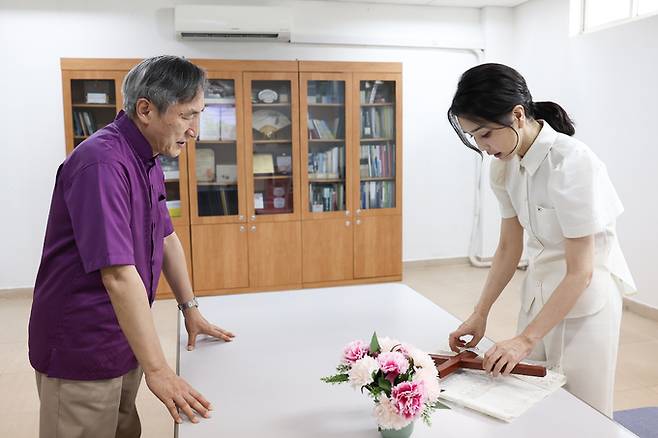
(438, 173)
(607, 81)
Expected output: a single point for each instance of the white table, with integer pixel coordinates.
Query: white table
(266, 383)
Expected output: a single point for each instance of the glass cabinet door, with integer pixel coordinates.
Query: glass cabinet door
(93, 106)
(272, 147)
(377, 133)
(326, 146)
(216, 152)
(171, 169)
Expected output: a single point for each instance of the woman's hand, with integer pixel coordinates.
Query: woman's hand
(505, 355)
(474, 326)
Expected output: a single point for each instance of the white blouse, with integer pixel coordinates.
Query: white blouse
(559, 190)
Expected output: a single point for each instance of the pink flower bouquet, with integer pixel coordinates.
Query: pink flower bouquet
(401, 379)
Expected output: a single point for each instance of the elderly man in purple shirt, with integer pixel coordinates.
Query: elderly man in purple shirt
(109, 235)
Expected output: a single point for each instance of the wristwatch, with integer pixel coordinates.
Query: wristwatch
(188, 304)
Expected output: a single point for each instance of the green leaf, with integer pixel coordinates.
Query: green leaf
(336, 378)
(384, 384)
(342, 368)
(374, 344)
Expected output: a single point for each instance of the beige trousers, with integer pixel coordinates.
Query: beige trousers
(583, 349)
(89, 409)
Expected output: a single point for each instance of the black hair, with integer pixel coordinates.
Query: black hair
(164, 80)
(489, 92)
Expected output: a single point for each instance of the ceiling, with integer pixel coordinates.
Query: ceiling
(461, 3)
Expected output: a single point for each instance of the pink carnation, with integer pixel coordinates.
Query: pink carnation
(408, 398)
(393, 363)
(354, 351)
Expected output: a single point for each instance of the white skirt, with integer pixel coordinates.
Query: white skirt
(584, 349)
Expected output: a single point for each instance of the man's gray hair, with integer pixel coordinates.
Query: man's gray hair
(163, 80)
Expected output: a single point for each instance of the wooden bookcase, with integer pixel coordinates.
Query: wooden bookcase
(295, 179)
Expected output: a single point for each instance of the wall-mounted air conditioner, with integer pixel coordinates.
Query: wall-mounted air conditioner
(232, 23)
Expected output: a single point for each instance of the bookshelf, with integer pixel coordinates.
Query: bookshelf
(294, 179)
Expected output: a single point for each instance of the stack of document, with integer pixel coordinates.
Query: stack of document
(502, 397)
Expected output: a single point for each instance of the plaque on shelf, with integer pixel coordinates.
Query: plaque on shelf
(209, 125)
(284, 164)
(258, 201)
(227, 173)
(205, 165)
(96, 98)
(263, 163)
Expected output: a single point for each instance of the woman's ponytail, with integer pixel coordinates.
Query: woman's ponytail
(555, 115)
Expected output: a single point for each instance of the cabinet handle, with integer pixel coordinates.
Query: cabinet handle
(358, 221)
(358, 211)
(253, 228)
(347, 223)
(347, 212)
(241, 217)
(253, 217)
(242, 228)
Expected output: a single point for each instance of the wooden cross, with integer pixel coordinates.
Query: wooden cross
(467, 359)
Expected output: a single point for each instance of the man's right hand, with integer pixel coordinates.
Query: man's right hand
(176, 393)
(475, 326)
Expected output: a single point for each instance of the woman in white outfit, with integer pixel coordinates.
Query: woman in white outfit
(554, 188)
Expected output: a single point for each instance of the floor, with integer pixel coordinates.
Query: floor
(453, 287)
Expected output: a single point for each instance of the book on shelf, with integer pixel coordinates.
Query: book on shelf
(378, 122)
(326, 197)
(377, 194)
(83, 123)
(373, 91)
(377, 160)
(313, 134)
(222, 198)
(89, 122)
(329, 164)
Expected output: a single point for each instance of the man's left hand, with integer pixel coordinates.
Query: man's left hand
(196, 325)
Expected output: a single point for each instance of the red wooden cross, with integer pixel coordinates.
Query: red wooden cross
(467, 359)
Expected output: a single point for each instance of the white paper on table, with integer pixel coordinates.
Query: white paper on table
(502, 397)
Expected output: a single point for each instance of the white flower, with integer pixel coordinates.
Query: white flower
(431, 380)
(423, 360)
(387, 417)
(387, 344)
(361, 372)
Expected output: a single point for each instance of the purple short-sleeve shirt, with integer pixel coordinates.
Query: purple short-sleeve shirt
(108, 208)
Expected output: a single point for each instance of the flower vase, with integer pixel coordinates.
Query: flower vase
(405, 432)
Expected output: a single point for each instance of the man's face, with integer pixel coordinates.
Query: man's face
(169, 131)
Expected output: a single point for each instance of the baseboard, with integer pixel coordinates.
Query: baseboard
(641, 309)
(428, 263)
(21, 292)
